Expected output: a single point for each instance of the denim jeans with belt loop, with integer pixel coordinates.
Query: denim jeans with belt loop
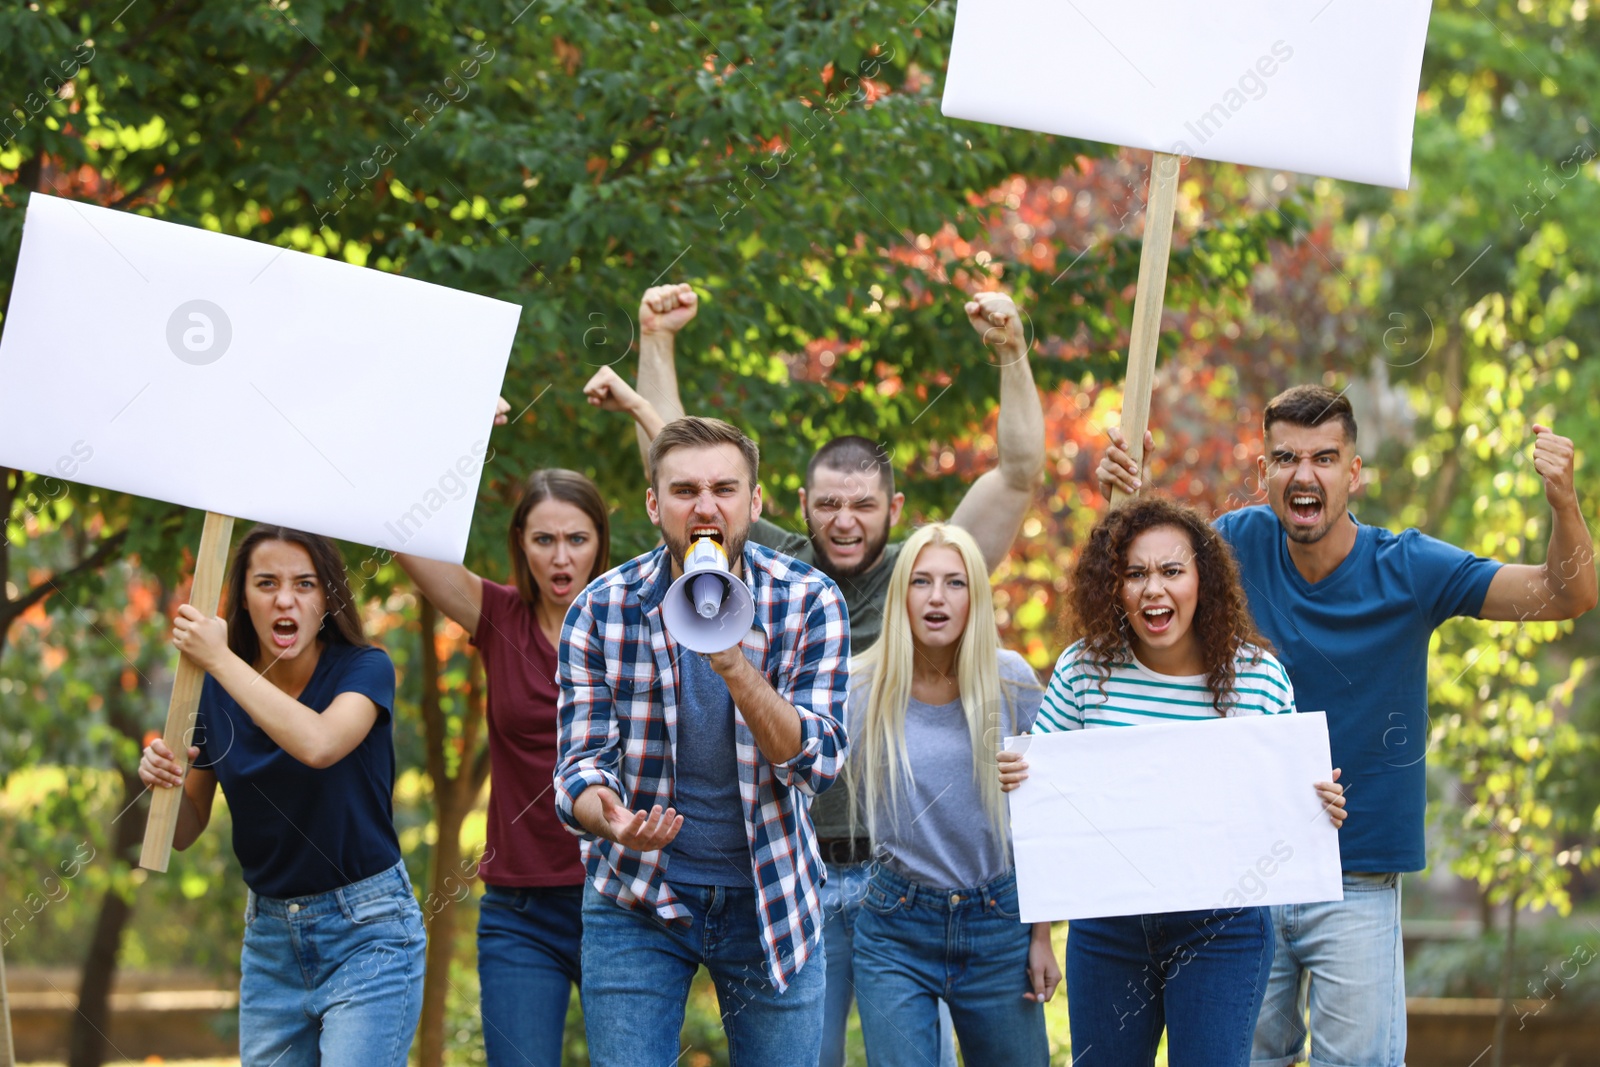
(1341, 962)
(334, 978)
(915, 944)
(637, 970)
(1200, 975)
(530, 949)
(846, 888)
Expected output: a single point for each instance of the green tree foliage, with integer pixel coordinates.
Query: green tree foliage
(1482, 280)
(791, 162)
(785, 159)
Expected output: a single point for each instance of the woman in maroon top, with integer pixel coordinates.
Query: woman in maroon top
(529, 923)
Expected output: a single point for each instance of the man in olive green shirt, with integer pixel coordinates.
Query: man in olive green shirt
(850, 506)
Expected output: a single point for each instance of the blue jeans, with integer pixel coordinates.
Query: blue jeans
(1343, 960)
(1198, 974)
(334, 978)
(637, 970)
(841, 904)
(529, 946)
(915, 945)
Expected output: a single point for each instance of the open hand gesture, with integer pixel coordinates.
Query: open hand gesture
(638, 830)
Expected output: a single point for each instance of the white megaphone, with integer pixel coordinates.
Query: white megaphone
(708, 609)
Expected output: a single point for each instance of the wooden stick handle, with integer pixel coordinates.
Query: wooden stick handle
(8, 1052)
(209, 566)
(1160, 204)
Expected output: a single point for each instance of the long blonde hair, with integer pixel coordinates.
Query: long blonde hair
(883, 672)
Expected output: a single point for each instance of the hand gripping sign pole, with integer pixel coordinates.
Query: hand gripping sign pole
(210, 563)
(1260, 83)
(1148, 300)
(243, 379)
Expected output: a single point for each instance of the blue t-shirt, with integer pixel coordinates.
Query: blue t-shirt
(1356, 647)
(712, 847)
(298, 830)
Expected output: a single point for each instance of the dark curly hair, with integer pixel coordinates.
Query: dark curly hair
(1222, 622)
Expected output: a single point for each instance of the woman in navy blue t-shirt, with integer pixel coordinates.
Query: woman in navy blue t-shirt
(295, 725)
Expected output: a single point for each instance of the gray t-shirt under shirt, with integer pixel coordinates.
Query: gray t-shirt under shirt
(712, 848)
(940, 835)
(863, 600)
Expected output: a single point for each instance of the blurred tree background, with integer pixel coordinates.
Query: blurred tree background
(791, 162)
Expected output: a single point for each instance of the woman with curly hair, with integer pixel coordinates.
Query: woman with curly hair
(1163, 633)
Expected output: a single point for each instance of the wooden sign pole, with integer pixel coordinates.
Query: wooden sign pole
(210, 565)
(1160, 204)
(8, 1052)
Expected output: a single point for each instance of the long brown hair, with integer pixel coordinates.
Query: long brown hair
(341, 622)
(569, 487)
(1221, 624)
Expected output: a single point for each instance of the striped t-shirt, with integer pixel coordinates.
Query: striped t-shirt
(1135, 695)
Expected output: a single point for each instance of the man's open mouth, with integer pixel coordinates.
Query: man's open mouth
(1306, 508)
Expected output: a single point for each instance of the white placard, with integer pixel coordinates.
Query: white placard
(1325, 87)
(238, 377)
(1174, 817)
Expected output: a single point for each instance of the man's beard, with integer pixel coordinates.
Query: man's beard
(1309, 535)
(869, 559)
(679, 547)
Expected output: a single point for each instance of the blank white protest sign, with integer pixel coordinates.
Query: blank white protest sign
(1174, 817)
(242, 378)
(1325, 87)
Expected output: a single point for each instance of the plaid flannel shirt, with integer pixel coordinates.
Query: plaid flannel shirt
(619, 722)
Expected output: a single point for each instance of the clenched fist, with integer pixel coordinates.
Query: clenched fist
(667, 308)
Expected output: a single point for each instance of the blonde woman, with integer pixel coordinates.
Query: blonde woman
(929, 703)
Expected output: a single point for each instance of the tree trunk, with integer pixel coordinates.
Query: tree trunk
(454, 797)
(92, 1021)
(440, 912)
(1444, 479)
(1506, 971)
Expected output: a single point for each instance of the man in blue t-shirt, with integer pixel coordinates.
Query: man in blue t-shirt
(1350, 609)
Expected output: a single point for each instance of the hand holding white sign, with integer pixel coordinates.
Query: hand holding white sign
(291, 371)
(1318, 86)
(1107, 821)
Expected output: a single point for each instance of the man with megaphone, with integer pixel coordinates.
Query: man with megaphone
(702, 695)
(851, 507)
